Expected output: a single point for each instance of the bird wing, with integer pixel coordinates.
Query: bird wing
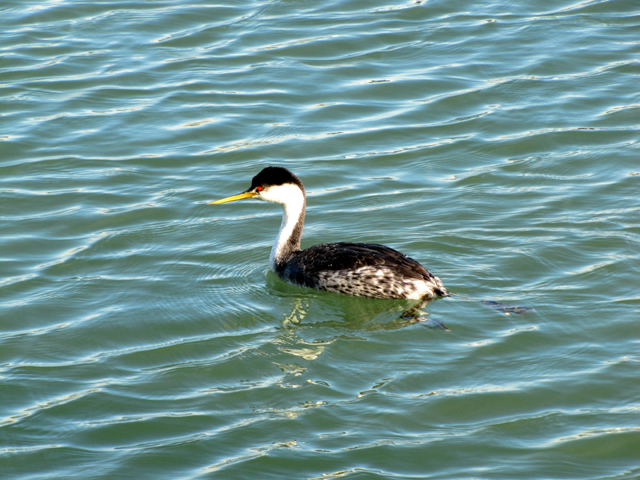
(350, 256)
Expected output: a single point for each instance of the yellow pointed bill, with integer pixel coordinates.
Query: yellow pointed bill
(233, 198)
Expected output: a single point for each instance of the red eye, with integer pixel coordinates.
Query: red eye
(259, 189)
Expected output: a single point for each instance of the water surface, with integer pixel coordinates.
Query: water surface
(141, 334)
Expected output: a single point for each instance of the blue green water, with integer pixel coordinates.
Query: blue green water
(141, 334)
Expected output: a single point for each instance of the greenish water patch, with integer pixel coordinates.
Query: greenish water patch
(141, 335)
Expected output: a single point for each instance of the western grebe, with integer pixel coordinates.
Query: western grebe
(359, 269)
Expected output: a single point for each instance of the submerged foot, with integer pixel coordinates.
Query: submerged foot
(414, 314)
(507, 309)
(431, 323)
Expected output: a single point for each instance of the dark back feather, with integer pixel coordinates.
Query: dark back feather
(350, 256)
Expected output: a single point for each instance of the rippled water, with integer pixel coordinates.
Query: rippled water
(141, 334)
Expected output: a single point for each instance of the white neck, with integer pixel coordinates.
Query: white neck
(293, 205)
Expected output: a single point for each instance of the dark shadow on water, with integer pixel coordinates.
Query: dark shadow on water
(353, 313)
(356, 313)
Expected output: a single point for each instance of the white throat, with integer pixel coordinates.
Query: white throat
(293, 205)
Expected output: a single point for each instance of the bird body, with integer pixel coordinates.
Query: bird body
(359, 269)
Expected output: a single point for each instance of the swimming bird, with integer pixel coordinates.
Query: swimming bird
(359, 269)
